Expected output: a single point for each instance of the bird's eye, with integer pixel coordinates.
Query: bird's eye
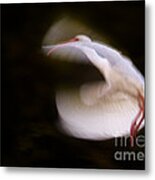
(76, 39)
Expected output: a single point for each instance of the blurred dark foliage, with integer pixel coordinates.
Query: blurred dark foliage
(29, 133)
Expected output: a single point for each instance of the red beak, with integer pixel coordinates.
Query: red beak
(63, 43)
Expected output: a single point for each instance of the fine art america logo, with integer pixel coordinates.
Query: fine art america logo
(129, 155)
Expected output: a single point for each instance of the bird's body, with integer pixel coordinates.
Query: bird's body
(116, 105)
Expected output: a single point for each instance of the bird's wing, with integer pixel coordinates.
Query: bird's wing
(108, 118)
(91, 93)
(114, 56)
(118, 61)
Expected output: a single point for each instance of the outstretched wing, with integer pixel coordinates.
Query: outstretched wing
(108, 118)
(118, 61)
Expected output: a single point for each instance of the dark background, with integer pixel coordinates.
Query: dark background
(29, 134)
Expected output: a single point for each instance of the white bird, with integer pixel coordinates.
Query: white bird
(106, 109)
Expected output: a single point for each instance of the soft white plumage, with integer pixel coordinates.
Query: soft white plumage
(105, 109)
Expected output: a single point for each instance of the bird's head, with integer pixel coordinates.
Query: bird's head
(82, 38)
(77, 38)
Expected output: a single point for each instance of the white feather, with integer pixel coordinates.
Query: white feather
(108, 118)
(101, 110)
